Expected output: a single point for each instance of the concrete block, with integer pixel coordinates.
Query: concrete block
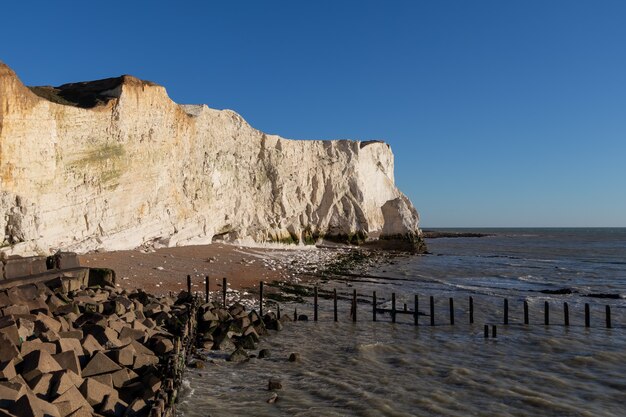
(38, 362)
(68, 360)
(64, 380)
(31, 406)
(100, 364)
(7, 369)
(113, 407)
(8, 349)
(32, 345)
(95, 392)
(91, 345)
(41, 385)
(70, 401)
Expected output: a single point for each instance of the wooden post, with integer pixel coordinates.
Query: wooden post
(415, 310)
(295, 314)
(189, 284)
(451, 311)
(566, 313)
(374, 306)
(206, 289)
(278, 311)
(315, 303)
(506, 311)
(354, 308)
(224, 284)
(494, 333)
(335, 302)
(525, 312)
(432, 310)
(486, 331)
(608, 317)
(587, 316)
(546, 313)
(471, 310)
(393, 307)
(261, 299)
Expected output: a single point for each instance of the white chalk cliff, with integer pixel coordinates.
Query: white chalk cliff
(116, 164)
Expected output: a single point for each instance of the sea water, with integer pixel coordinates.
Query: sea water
(382, 369)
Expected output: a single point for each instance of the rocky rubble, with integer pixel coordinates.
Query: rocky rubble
(92, 351)
(233, 329)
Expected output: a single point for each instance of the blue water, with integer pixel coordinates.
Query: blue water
(379, 368)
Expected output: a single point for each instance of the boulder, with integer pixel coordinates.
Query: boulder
(274, 384)
(239, 355)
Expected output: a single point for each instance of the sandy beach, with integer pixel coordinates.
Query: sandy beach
(162, 270)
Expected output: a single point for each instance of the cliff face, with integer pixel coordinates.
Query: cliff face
(114, 164)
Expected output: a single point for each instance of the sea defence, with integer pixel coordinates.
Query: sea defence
(115, 164)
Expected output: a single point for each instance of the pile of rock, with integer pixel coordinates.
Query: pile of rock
(91, 351)
(233, 329)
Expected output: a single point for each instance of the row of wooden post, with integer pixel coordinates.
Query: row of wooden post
(415, 312)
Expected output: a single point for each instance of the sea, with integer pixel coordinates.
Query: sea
(380, 368)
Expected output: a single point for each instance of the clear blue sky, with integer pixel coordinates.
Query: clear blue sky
(500, 113)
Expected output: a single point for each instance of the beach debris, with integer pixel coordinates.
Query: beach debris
(273, 398)
(294, 357)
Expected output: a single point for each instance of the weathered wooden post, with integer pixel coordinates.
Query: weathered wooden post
(335, 302)
(471, 310)
(278, 311)
(393, 307)
(566, 313)
(415, 310)
(506, 311)
(261, 299)
(354, 308)
(224, 285)
(206, 289)
(374, 306)
(525, 312)
(608, 317)
(546, 313)
(494, 333)
(486, 331)
(432, 310)
(295, 314)
(315, 303)
(189, 284)
(451, 311)
(587, 316)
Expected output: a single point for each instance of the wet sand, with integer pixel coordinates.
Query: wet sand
(164, 270)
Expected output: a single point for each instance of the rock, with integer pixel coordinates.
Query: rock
(273, 398)
(294, 357)
(342, 187)
(303, 317)
(90, 345)
(239, 355)
(264, 354)
(41, 385)
(196, 364)
(142, 360)
(274, 384)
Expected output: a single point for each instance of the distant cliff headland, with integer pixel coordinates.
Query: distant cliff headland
(116, 164)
